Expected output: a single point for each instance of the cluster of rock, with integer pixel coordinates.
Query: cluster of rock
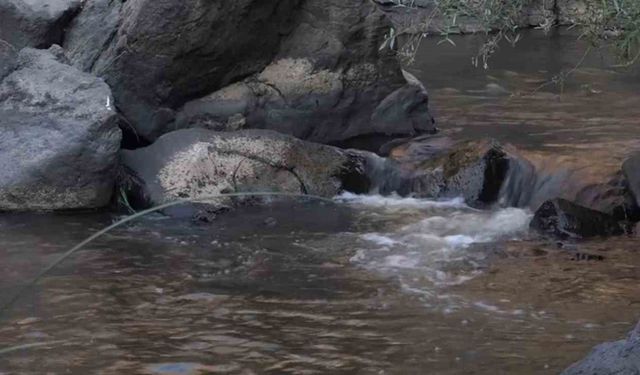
(256, 95)
(486, 173)
(241, 96)
(76, 76)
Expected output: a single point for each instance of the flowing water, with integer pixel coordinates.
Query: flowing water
(370, 284)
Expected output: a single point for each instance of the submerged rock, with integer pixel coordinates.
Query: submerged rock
(631, 171)
(196, 163)
(35, 23)
(612, 197)
(59, 140)
(308, 68)
(565, 219)
(612, 358)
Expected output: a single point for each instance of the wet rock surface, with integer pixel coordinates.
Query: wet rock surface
(59, 140)
(36, 23)
(619, 358)
(314, 68)
(565, 219)
(438, 167)
(197, 163)
(631, 170)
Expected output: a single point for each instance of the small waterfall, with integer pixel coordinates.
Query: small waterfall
(386, 175)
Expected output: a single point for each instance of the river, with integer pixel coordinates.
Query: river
(369, 284)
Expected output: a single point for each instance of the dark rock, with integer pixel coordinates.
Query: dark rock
(631, 171)
(335, 87)
(441, 168)
(308, 68)
(582, 257)
(612, 358)
(59, 141)
(613, 198)
(196, 163)
(564, 219)
(165, 52)
(35, 23)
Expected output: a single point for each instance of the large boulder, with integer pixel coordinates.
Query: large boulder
(334, 86)
(158, 54)
(309, 68)
(198, 163)
(59, 140)
(35, 23)
(612, 358)
(564, 219)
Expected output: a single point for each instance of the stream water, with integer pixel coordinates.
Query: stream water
(370, 284)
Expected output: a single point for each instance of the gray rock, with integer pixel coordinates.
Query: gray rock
(612, 358)
(291, 96)
(631, 171)
(59, 140)
(308, 68)
(164, 52)
(90, 33)
(8, 58)
(196, 163)
(565, 219)
(35, 23)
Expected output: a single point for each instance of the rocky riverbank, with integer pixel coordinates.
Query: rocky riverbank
(159, 100)
(309, 69)
(119, 70)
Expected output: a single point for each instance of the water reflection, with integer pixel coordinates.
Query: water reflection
(249, 296)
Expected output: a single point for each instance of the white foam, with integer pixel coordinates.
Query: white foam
(395, 201)
(434, 251)
(465, 228)
(400, 261)
(379, 239)
(460, 240)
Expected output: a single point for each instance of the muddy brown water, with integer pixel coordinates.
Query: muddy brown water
(372, 284)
